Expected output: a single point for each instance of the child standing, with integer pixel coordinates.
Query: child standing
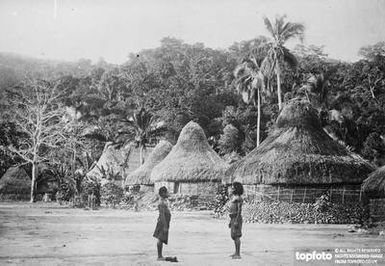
(236, 217)
(163, 224)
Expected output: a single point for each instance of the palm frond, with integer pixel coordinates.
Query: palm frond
(268, 64)
(292, 30)
(246, 92)
(282, 31)
(240, 71)
(279, 24)
(269, 26)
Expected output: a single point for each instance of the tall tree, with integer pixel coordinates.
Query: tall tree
(249, 82)
(281, 31)
(145, 128)
(38, 115)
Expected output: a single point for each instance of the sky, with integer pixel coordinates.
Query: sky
(73, 29)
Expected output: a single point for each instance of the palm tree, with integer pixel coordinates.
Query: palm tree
(249, 81)
(281, 32)
(145, 127)
(316, 89)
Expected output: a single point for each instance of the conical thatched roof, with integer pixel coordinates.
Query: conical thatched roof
(375, 183)
(122, 161)
(15, 181)
(142, 175)
(191, 159)
(298, 151)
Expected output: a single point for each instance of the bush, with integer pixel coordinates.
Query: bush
(128, 199)
(221, 199)
(323, 203)
(91, 186)
(111, 194)
(230, 140)
(65, 192)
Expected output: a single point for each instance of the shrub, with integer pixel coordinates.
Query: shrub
(221, 199)
(230, 140)
(91, 186)
(128, 199)
(323, 203)
(65, 192)
(111, 194)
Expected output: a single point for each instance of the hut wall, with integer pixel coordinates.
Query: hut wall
(189, 188)
(305, 194)
(147, 188)
(377, 209)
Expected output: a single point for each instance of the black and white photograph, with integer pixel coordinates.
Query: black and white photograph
(192, 132)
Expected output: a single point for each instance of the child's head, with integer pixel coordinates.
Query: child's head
(237, 189)
(163, 192)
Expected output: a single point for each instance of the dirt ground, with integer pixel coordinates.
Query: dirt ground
(47, 234)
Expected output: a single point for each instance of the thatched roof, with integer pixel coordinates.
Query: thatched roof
(191, 159)
(122, 160)
(298, 151)
(15, 181)
(375, 183)
(142, 174)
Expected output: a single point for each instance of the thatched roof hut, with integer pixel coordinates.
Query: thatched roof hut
(298, 151)
(142, 175)
(15, 182)
(122, 161)
(375, 183)
(191, 159)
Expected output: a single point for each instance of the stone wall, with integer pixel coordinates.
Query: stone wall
(305, 194)
(377, 209)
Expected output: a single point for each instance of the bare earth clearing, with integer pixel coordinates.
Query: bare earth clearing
(47, 234)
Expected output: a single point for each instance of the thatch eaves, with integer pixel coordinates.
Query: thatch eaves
(142, 175)
(375, 183)
(298, 151)
(191, 159)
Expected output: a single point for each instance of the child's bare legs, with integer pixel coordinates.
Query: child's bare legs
(159, 246)
(237, 254)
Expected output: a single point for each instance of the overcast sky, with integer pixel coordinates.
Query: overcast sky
(73, 29)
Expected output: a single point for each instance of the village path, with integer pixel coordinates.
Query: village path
(52, 235)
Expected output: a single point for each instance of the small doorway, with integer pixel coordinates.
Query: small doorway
(176, 187)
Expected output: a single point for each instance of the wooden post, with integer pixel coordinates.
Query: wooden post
(291, 195)
(343, 196)
(360, 194)
(304, 196)
(278, 193)
(331, 198)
